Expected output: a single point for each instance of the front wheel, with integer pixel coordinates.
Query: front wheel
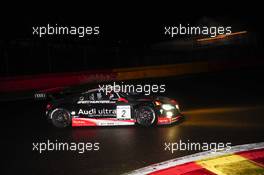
(145, 116)
(60, 118)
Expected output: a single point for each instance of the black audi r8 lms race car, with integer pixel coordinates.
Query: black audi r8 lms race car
(96, 108)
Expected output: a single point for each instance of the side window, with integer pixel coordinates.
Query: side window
(109, 96)
(81, 98)
(87, 97)
(102, 96)
(113, 96)
(94, 96)
(99, 96)
(91, 96)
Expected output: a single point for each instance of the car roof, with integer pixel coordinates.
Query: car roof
(91, 90)
(99, 89)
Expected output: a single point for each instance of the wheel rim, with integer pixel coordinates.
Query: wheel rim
(146, 117)
(61, 118)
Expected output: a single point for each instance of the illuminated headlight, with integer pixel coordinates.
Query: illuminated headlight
(177, 107)
(169, 114)
(167, 107)
(73, 113)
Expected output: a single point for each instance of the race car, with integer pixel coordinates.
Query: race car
(97, 108)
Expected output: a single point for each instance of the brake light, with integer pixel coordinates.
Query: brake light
(49, 106)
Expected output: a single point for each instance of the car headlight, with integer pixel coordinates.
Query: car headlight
(167, 107)
(169, 114)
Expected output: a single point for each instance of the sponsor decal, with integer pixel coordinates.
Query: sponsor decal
(123, 112)
(163, 120)
(40, 96)
(96, 102)
(97, 112)
(101, 122)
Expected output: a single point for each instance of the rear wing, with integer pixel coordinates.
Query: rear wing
(52, 93)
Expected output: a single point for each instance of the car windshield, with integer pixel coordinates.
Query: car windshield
(132, 96)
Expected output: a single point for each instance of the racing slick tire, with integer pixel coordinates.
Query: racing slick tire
(145, 116)
(60, 118)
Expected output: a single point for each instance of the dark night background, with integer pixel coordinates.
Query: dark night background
(127, 39)
(221, 106)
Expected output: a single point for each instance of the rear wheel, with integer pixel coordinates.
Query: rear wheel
(145, 116)
(60, 118)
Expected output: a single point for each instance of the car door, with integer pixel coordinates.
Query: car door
(105, 105)
(85, 105)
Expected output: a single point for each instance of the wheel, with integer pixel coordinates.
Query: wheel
(60, 118)
(145, 116)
